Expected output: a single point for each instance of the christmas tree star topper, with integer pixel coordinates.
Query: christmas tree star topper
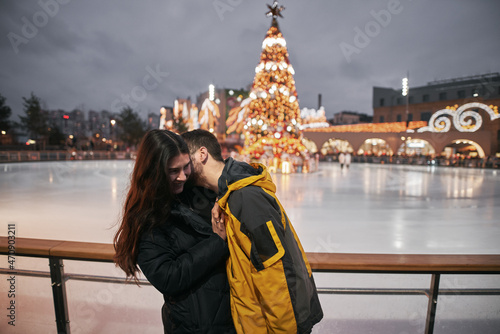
(275, 10)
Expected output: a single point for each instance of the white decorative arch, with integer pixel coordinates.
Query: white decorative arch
(342, 145)
(310, 145)
(462, 118)
(479, 149)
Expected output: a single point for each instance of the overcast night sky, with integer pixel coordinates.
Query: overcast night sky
(92, 53)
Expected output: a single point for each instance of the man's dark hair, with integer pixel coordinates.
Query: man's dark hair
(199, 138)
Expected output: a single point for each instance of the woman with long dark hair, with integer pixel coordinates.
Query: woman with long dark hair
(166, 232)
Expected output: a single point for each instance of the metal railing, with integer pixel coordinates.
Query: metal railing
(32, 156)
(435, 265)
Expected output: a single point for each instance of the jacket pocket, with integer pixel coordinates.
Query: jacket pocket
(267, 248)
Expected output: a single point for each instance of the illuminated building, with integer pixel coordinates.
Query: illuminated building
(450, 118)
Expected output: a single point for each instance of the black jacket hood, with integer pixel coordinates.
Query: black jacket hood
(234, 171)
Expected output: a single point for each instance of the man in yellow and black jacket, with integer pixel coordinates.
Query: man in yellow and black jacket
(272, 287)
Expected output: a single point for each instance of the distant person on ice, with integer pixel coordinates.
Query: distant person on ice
(347, 159)
(341, 160)
(166, 231)
(272, 287)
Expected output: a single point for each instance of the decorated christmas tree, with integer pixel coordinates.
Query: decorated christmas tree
(270, 117)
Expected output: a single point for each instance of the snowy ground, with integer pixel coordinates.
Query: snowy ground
(364, 209)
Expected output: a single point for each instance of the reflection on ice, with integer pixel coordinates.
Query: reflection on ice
(461, 186)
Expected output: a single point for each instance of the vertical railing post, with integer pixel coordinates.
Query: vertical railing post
(59, 295)
(432, 305)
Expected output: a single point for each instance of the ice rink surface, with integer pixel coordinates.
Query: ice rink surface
(367, 208)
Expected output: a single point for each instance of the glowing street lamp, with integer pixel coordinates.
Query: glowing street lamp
(113, 122)
(405, 87)
(211, 92)
(405, 92)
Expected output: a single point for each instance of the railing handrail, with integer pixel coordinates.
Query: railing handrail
(62, 155)
(322, 262)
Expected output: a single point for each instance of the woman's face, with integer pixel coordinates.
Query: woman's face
(179, 169)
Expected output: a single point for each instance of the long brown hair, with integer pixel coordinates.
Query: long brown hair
(150, 195)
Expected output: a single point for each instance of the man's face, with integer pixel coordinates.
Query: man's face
(179, 169)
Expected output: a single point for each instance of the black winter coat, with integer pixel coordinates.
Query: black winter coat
(185, 260)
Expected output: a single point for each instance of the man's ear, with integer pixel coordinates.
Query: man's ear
(203, 154)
